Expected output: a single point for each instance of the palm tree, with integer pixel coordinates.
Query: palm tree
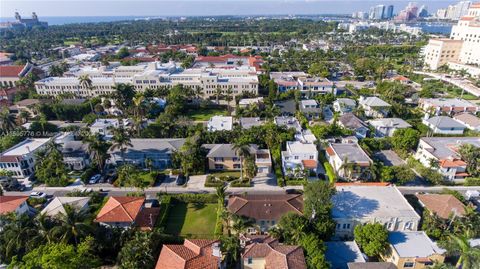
(121, 141)
(218, 94)
(469, 256)
(7, 120)
(24, 116)
(97, 148)
(43, 226)
(240, 224)
(73, 225)
(149, 164)
(229, 97)
(86, 82)
(242, 150)
(220, 191)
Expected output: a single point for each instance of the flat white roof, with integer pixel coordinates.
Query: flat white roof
(25, 147)
(368, 202)
(413, 244)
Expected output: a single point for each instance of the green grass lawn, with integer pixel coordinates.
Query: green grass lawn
(192, 220)
(204, 114)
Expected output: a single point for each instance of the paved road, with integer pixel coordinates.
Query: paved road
(114, 191)
(459, 82)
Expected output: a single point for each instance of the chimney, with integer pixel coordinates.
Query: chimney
(216, 250)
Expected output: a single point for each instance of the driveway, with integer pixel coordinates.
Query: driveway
(264, 181)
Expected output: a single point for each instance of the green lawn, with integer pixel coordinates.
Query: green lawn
(204, 114)
(192, 220)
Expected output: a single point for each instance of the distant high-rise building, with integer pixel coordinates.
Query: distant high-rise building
(422, 12)
(454, 12)
(389, 12)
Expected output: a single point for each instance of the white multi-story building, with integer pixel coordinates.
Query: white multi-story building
(20, 159)
(441, 51)
(444, 152)
(154, 75)
(461, 50)
(355, 204)
(300, 156)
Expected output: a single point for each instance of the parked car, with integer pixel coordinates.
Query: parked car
(38, 195)
(94, 179)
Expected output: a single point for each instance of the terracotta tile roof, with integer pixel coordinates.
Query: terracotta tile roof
(400, 78)
(146, 218)
(193, 254)
(452, 163)
(442, 204)
(10, 70)
(277, 256)
(11, 203)
(290, 257)
(309, 163)
(330, 151)
(265, 207)
(10, 159)
(120, 209)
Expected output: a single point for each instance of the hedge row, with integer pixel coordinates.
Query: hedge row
(241, 183)
(472, 181)
(206, 198)
(213, 182)
(219, 222)
(329, 171)
(295, 182)
(164, 209)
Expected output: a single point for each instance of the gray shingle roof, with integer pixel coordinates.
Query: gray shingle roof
(443, 122)
(349, 120)
(374, 101)
(224, 150)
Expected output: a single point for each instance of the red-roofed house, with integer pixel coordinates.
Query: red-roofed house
(9, 74)
(193, 254)
(266, 210)
(14, 204)
(266, 252)
(124, 212)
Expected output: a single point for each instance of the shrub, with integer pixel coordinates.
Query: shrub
(330, 172)
(241, 183)
(212, 181)
(472, 181)
(219, 222)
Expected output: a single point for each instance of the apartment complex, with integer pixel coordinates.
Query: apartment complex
(153, 75)
(461, 50)
(20, 159)
(355, 204)
(444, 151)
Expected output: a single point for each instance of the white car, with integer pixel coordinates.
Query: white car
(94, 179)
(37, 194)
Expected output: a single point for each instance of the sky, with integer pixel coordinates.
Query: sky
(197, 7)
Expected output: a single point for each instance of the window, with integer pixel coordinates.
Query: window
(389, 225)
(408, 264)
(249, 260)
(218, 167)
(236, 166)
(218, 159)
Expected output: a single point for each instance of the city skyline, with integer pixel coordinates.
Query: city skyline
(197, 7)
